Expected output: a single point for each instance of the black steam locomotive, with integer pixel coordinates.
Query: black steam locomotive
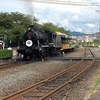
(39, 43)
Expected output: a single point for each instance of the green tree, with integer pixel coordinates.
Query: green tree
(50, 26)
(16, 24)
(5, 20)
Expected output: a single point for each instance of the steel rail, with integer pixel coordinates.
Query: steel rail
(62, 86)
(91, 52)
(4, 64)
(24, 91)
(19, 93)
(11, 64)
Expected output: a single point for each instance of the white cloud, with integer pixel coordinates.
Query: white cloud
(75, 18)
(43, 21)
(79, 30)
(90, 25)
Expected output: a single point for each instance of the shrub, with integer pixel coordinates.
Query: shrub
(5, 54)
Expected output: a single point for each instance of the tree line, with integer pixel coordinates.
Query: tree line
(15, 24)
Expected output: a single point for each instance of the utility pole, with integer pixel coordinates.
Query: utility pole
(98, 11)
(5, 39)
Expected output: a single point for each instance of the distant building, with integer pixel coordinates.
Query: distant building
(86, 38)
(89, 38)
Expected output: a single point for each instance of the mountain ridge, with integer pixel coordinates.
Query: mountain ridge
(77, 33)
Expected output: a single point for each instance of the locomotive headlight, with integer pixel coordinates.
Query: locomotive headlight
(29, 43)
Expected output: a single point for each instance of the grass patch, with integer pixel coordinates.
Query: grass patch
(97, 82)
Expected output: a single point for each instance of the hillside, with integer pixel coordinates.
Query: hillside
(77, 33)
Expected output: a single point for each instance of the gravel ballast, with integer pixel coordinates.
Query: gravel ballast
(15, 79)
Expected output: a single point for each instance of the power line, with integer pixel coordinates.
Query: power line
(64, 2)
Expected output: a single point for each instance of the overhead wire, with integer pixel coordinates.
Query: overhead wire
(64, 2)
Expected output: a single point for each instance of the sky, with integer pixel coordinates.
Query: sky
(74, 18)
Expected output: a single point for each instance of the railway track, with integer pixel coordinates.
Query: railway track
(47, 88)
(13, 64)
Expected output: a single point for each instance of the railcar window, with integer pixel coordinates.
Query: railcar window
(65, 41)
